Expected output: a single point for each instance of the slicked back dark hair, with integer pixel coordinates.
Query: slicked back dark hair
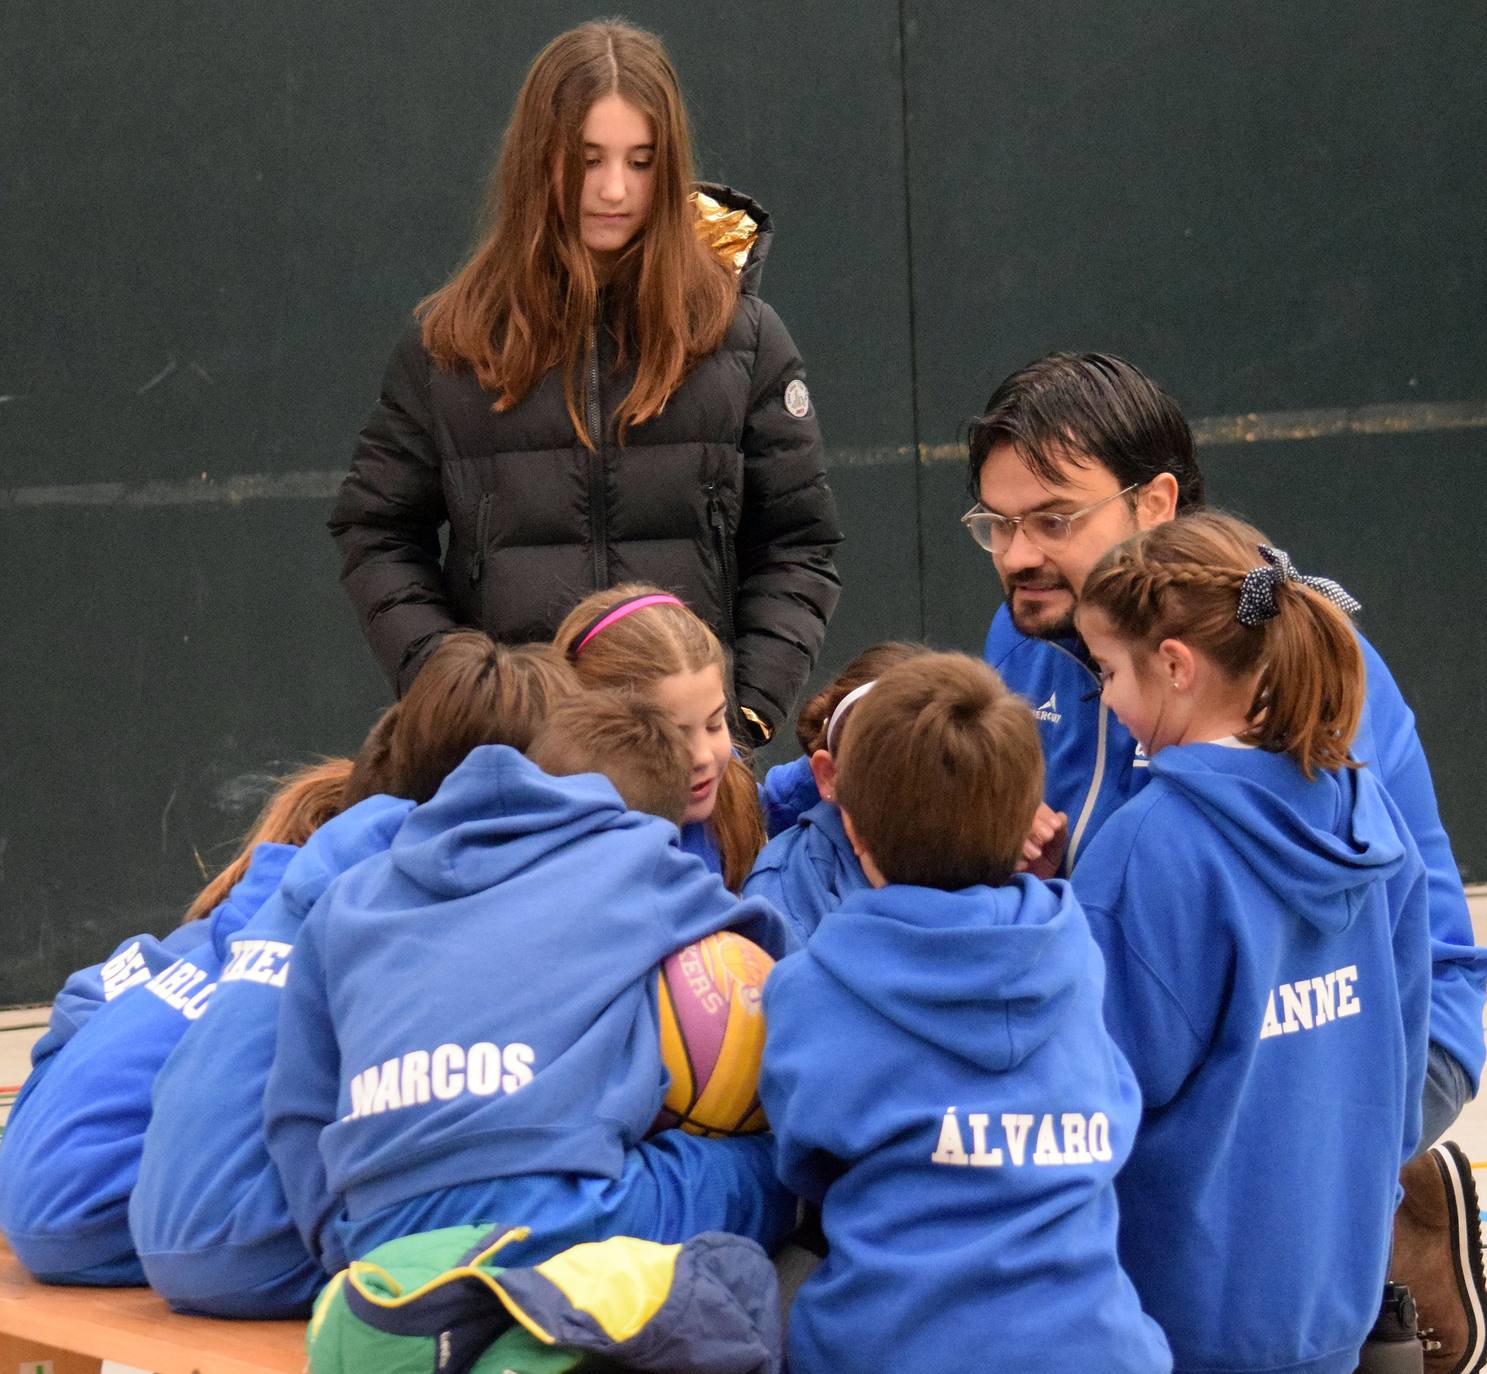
(1067, 405)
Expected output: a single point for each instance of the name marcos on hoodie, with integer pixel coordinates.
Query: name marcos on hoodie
(410, 1080)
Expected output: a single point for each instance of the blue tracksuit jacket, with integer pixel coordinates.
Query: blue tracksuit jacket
(939, 1078)
(1267, 948)
(1093, 766)
(807, 870)
(71, 1150)
(474, 1017)
(208, 1213)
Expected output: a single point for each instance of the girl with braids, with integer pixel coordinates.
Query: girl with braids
(72, 1145)
(598, 395)
(640, 639)
(211, 1214)
(1262, 912)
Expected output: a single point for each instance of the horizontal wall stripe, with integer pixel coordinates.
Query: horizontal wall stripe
(1218, 431)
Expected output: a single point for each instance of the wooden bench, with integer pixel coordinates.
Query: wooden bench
(76, 1328)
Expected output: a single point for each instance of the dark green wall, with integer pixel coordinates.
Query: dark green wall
(216, 219)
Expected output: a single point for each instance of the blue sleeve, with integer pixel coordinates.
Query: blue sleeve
(301, 1097)
(1389, 742)
(682, 1185)
(798, 1074)
(694, 899)
(1144, 1018)
(787, 792)
(136, 960)
(1140, 927)
(1409, 907)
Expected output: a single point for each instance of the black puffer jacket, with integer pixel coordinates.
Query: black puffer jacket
(721, 499)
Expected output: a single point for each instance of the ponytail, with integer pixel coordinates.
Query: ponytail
(1312, 684)
(304, 802)
(738, 823)
(1187, 579)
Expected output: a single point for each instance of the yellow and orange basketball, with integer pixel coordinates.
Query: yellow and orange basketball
(712, 1035)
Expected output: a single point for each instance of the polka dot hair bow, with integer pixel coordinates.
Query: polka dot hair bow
(1257, 593)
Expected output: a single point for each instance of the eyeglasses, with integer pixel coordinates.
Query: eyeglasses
(1046, 529)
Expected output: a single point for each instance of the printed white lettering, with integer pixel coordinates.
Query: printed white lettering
(483, 1069)
(1064, 1139)
(1099, 1138)
(1075, 1149)
(517, 1060)
(951, 1149)
(1015, 1126)
(418, 1077)
(1311, 1003)
(415, 1077)
(448, 1075)
(981, 1157)
(125, 970)
(1047, 1151)
(1347, 1003)
(387, 1098)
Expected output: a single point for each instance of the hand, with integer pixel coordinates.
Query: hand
(1043, 850)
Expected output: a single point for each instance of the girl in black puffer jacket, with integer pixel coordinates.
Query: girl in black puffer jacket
(598, 396)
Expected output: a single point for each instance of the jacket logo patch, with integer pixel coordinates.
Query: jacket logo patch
(1049, 710)
(797, 399)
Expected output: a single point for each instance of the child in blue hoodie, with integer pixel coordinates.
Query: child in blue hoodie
(1264, 919)
(639, 639)
(71, 1149)
(209, 1213)
(809, 867)
(937, 1072)
(473, 1013)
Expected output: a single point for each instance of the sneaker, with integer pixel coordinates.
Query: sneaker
(1438, 1254)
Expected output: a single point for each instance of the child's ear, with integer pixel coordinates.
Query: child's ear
(823, 769)
(1175, 664)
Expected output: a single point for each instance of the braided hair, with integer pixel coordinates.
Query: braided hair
(1182, 580)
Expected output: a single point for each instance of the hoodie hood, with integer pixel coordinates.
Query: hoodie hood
(498, 814)
(986, 974)
(736, 228)
(1317, 845)
(341, 843)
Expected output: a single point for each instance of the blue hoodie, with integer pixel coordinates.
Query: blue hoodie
(1267, 949)
(807, 870)
(939, 1078)
(787, 793)
(479, 1003)
(208, 1213)
(71, 1151)
(1093, 765)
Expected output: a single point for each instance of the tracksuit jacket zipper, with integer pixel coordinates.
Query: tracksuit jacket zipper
(598, 503)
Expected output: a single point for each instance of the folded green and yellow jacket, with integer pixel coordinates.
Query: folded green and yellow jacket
(438, 1303)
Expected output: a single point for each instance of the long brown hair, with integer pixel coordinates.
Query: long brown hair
(1182, 581)
(304, 801)
(526, 299)
(636, 653)
(470, 691)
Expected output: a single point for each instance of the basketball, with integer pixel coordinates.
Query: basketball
(712, 1035)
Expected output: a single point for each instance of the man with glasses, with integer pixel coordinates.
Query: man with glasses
(1073, 454)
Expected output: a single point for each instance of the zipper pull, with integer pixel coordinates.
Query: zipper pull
(477, 567)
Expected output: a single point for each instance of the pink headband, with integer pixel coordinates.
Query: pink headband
(619, 613)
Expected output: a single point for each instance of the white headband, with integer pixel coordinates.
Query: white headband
(840, 713)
